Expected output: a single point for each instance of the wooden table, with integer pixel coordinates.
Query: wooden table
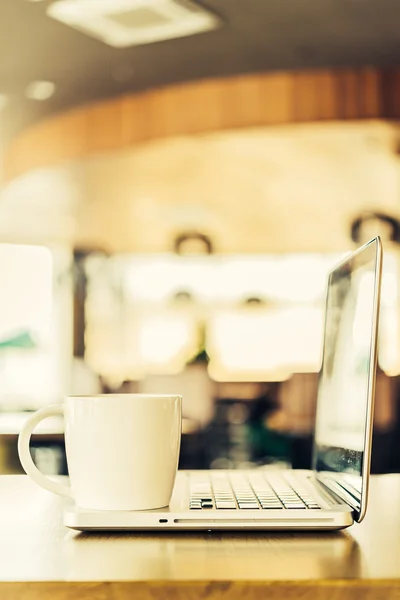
(40, 559)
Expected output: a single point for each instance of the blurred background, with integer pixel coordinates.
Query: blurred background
(177, 179)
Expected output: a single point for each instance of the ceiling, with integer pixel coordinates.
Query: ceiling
(291, 188)
(257, 35)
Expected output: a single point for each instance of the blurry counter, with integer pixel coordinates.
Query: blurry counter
(39, 558)
(53, 427)
(49, 432)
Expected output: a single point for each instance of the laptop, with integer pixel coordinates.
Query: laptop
(333, 494)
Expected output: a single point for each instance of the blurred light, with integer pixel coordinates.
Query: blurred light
(389, 280)
(264, 344)
(156, 279)
(300, 339)
(389, 322)
(389, 289)
(219, 373)
(302, 278)
(28, 372)
(124, 23)
(26, 289)
(164, 342)
(241, 341)
(40, 90)
(288, 279)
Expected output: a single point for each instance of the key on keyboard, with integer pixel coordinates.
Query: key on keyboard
(253, 491)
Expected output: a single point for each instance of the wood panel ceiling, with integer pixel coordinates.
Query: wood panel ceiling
(215, 104)
(257, 35)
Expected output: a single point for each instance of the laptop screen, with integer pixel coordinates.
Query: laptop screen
(346, 381)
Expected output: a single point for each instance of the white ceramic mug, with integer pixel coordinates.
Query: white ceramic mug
(122, 450)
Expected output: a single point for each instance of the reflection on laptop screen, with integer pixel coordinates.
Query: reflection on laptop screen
(343, 391)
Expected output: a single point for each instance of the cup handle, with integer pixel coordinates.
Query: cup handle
(25, 456)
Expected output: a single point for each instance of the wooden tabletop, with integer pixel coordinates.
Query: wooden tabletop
(39, 558)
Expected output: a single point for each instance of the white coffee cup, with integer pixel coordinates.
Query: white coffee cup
(122, 450)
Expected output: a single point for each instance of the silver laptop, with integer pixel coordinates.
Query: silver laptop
(334, 493)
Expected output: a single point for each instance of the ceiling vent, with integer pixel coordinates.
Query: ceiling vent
(124, 23)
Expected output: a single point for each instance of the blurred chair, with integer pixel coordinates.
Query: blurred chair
(294, 418)
(385, 446)
(297, 398)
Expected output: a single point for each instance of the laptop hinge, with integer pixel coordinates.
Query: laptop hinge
(340, 489)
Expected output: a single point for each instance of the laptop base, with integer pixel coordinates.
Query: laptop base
(177, 516)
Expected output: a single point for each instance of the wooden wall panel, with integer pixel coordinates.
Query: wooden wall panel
(103, 127)
(391, 94)
(327, 96)
(203, 106)
(305, 97)
(277, 99)
(372, 93)
(348, 95)
(134, 114)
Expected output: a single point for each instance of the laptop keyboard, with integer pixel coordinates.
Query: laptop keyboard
(269, 491)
